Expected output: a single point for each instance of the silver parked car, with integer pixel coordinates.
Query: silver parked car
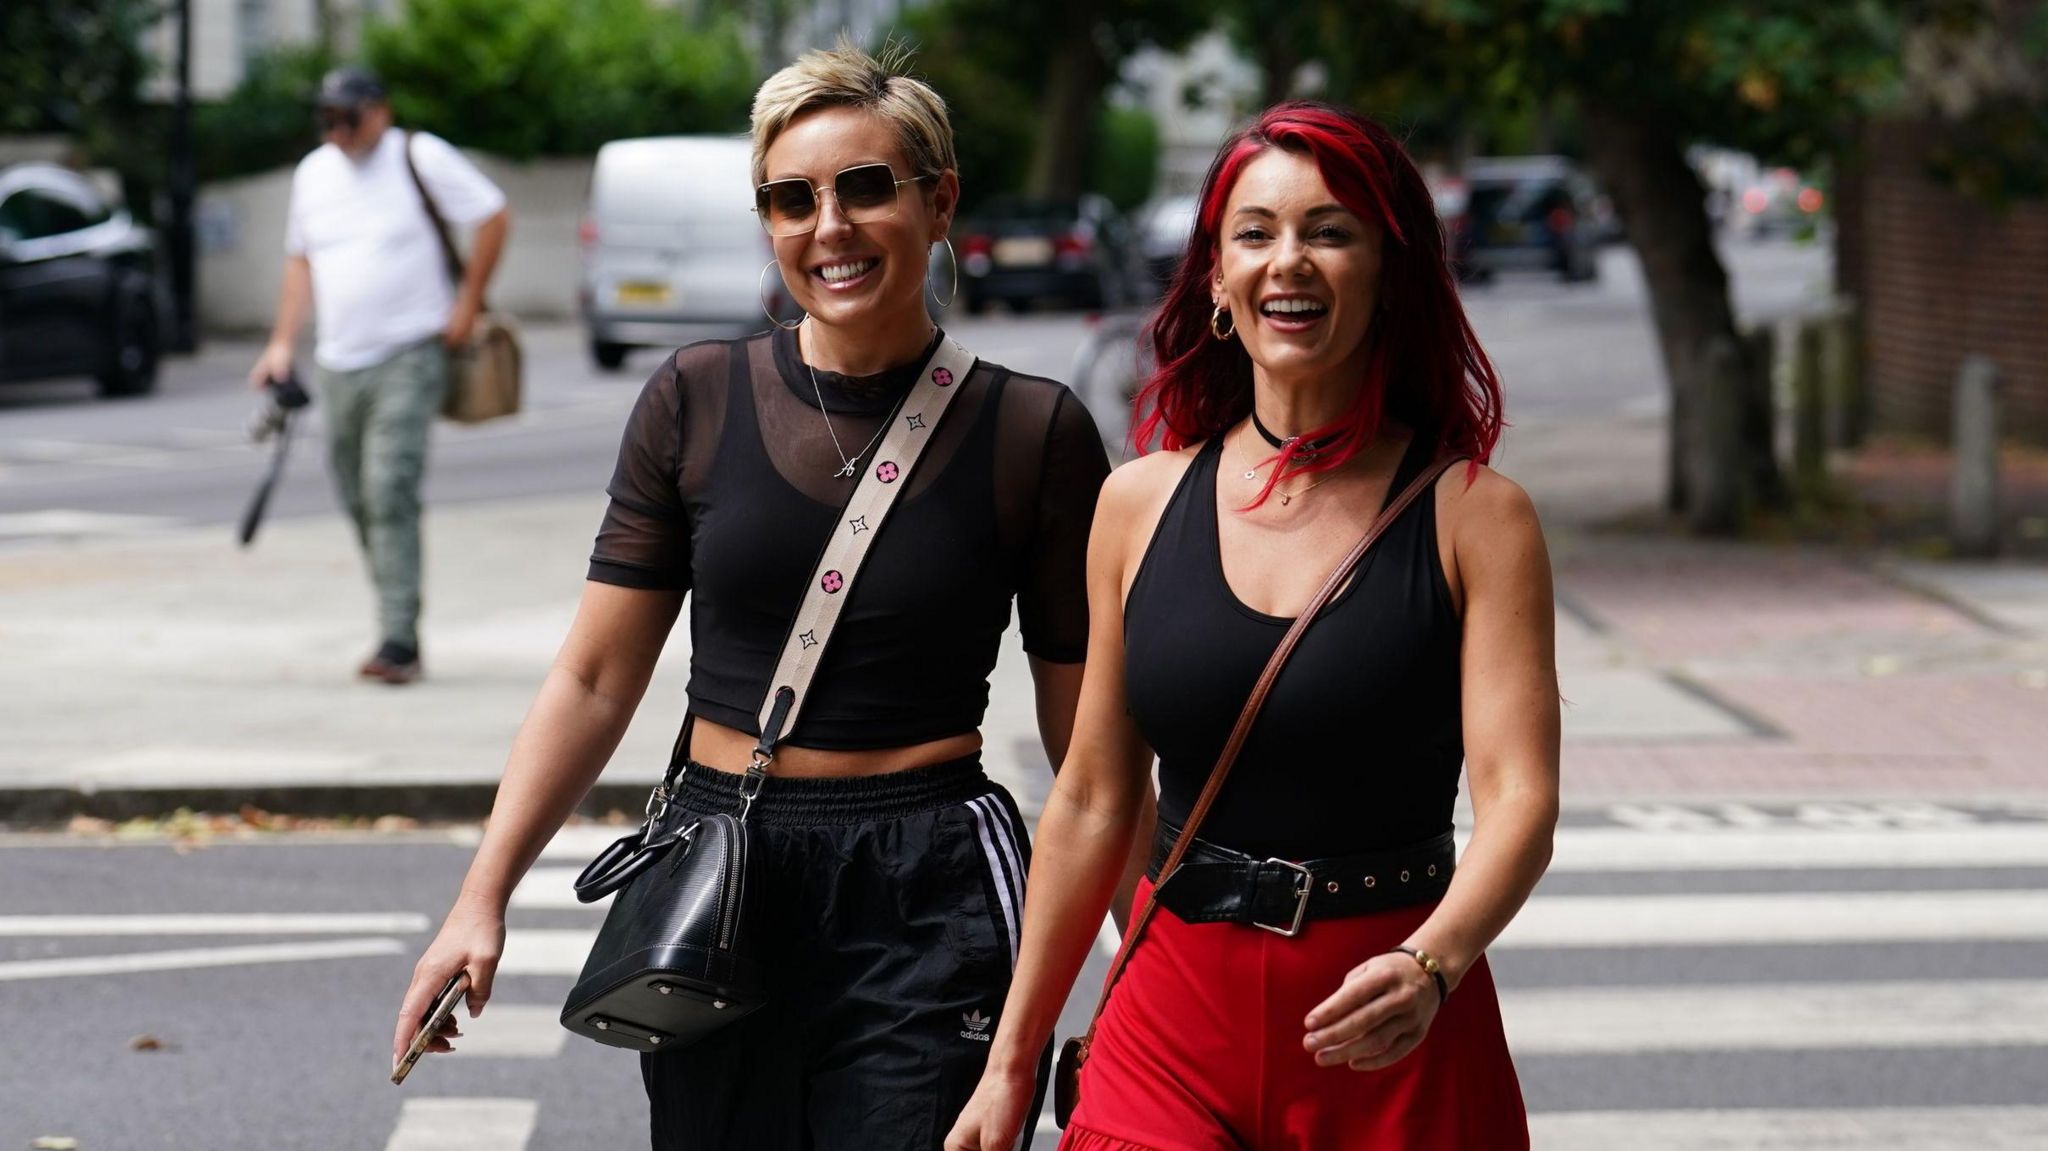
(77, 283)
(671, 250)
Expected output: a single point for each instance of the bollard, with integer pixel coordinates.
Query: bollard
(1973, 495)
(1841, 387)
(1809, 413)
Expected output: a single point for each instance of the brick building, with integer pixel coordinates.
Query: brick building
(1942, 275)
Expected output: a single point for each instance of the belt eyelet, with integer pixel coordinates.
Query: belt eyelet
(1432, 869)
(1331, 887)
(1370, 881)
(1404, 875)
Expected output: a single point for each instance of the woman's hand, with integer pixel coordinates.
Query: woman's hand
(471, 939)
(994, 1115)
(1379, 1014)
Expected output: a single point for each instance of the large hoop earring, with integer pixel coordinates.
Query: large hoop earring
(1216, 323)
(761, 282)
(954, 258)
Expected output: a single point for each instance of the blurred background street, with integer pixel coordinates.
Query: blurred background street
(1771, 313)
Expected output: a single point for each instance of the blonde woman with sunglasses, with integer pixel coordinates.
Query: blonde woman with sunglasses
(894, 866)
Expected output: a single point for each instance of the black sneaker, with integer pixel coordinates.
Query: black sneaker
(393, 664)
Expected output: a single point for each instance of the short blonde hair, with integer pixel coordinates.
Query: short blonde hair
(845, 76)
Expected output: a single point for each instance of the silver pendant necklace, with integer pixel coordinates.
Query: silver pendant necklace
(847, 467)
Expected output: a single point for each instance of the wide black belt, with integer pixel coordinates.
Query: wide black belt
(1217, 885)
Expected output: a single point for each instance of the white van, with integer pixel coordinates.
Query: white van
(672, 251)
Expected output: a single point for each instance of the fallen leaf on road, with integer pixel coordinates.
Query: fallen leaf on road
(145, 1043)
(55, 1143)
(89, 825)
(1879, 666)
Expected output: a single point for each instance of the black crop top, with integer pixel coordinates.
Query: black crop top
(1360, 742)
(727, 486)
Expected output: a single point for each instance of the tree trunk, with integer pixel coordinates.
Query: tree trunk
(1719, 471)
(1074, 78)
(1279, 60)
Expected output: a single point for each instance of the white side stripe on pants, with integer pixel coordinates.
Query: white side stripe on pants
(1005, 865)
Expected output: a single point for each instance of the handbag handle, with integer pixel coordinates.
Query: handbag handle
(1421, 483)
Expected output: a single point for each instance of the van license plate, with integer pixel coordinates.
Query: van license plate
(642, 293)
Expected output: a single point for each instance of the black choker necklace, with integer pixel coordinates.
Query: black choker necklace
(1303, 449)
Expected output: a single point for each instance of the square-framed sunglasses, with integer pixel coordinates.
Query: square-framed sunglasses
(866, 194)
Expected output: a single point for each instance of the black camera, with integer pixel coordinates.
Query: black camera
(280, 399)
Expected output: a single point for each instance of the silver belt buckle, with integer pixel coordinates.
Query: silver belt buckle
(1304, 881)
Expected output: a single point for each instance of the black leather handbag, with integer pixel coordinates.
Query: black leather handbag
(678, 956)
(681, 952)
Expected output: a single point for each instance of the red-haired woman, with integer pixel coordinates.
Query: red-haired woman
(1314, 359)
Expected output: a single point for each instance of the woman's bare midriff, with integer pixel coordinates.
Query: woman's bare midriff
(726, 749)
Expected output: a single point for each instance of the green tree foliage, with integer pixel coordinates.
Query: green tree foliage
(1026, 82)
(74, 67)
(989, 80)
(1640, 81)
(560, 77)
(266, 122)
(1126, 161)
(1058, 59)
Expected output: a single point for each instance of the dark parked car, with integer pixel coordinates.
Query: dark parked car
(1081, 252)
(1530, 212)
(77, 284)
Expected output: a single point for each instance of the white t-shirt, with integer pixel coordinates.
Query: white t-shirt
(380, 283)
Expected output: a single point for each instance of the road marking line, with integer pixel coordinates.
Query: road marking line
(67, 522)
(582, 841)
(546, 951)
(197, 958)
(1108, 939)
(1862, 1129)
(511, 1031)
(1760, 1017)
(1776, 918)
(464, 1125)
(552, 889)
(253, 924)
(1625, 849)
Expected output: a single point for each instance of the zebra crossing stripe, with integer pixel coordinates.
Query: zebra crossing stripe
(1863, 1129)
(1790, 849)
(546, 950)
(208, 924)
(1614, 921)
(1772, 1017)
(552, 889)
(196, 958)
(511, 1031)
(464, 1125)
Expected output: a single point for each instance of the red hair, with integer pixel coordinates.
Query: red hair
(1424, 365)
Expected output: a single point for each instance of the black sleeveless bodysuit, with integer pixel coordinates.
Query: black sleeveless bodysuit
(1359, 746)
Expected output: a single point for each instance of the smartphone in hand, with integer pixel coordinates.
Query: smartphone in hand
(430, 1023)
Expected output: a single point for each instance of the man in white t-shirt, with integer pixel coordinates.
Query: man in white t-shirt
(359, 243)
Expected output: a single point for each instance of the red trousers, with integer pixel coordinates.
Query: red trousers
(1200, 1049)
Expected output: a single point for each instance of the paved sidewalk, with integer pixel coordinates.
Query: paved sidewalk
(152, 671)
(149, 673)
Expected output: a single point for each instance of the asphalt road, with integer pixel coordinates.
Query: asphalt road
(1859, 975)
(72, 465)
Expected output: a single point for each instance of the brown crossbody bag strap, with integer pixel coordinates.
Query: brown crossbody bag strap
(1077, 1052)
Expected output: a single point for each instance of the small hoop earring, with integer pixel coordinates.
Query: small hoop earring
(954, 258)
(1216, 323)
(761, 282)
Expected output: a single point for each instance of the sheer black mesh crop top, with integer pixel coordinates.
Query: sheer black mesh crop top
(728, 483)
